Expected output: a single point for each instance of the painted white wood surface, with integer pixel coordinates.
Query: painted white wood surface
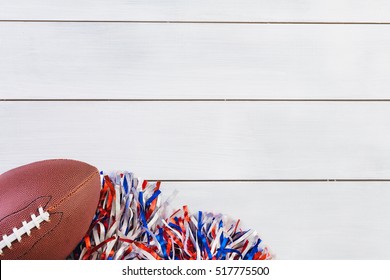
(186, 61)
(197, 10)
(301, 220)
(215, 140)
(204, 140)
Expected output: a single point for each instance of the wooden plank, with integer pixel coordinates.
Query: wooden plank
(197, 10)
(194, 61)
(204, 140)
(301, 220)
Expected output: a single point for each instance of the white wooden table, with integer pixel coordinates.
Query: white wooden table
(276, 112)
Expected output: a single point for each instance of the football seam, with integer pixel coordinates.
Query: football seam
(72, 192)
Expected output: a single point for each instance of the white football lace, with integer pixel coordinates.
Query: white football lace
(24, 229)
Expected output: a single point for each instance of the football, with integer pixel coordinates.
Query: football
(46, 208)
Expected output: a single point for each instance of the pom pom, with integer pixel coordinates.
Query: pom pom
(132, 222)
(205, 236)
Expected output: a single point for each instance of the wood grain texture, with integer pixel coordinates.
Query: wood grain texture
(194, 61)
(197, 10)
(204, 140)
(301, 220)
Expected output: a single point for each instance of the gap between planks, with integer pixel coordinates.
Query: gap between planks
(201, 22)
(187, 100)
(267, 180)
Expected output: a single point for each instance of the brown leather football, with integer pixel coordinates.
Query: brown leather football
(46, 208)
